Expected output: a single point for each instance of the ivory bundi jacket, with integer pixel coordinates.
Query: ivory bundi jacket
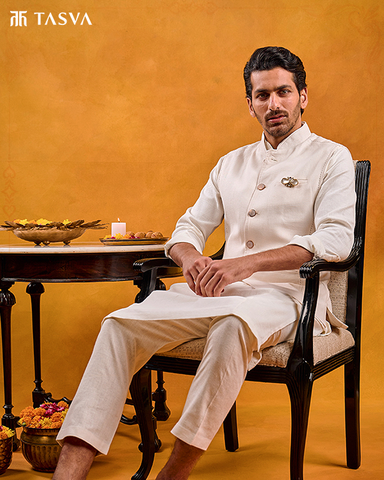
(300, 193)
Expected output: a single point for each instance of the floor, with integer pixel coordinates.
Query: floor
(264, 434)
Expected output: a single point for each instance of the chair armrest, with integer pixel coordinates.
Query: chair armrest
(311, 268)
(164, 266)
(302, 352)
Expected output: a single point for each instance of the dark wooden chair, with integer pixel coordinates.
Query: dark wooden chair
(296, 363)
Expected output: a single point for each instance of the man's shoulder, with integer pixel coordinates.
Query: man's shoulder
(242, 152)
(323, 142)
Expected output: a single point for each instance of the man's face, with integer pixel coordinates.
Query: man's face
(276, 103)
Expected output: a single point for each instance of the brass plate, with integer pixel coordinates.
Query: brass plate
(133, 241)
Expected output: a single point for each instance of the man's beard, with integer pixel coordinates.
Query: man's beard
(283, 129)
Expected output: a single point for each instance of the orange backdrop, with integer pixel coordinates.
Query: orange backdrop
(126, 117)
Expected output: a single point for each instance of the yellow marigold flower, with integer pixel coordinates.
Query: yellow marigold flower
(119, 236)
(23, 222)
(43, 221)
(66, 221)
(46, 423)
(5, 432)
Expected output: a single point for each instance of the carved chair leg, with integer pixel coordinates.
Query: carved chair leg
(300, 391)
(230, 430)
(352, 414)
(159, 396)
(141, 396)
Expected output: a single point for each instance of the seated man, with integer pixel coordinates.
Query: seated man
(284, 200)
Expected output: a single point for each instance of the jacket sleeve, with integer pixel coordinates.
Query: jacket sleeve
(202, 219)
(334, 211)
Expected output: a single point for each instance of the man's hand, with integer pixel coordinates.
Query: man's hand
(208, 278)
(212, 280)
(191, 261)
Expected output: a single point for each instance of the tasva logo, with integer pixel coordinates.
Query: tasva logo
(20, 18)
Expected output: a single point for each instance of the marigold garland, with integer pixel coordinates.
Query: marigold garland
(48, 415)
(5, 432)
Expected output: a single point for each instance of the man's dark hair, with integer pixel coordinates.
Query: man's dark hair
(267, 58)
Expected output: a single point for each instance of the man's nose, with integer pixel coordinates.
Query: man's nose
(274, 103)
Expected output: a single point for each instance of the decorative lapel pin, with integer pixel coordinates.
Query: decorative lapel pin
(289, 182)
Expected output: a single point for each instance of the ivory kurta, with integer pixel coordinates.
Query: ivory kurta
(247, 189)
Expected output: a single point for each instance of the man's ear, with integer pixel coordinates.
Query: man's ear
(250, 107)
(304, 98)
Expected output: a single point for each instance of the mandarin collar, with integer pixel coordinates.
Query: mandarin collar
(297, 137)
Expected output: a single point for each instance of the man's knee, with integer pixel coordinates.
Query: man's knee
(233, 330)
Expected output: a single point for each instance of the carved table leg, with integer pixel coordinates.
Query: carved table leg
(35, 290)
(7, 300)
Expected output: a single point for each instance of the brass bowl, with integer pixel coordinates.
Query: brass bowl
(48, 235)
(40, 448)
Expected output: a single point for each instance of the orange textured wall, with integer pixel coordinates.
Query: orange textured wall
(126, 117)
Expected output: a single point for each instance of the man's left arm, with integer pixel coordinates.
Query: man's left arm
(212, 280)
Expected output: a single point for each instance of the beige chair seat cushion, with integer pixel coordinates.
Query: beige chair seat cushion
(323, 348)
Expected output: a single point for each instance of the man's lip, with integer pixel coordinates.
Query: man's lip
(275, 118)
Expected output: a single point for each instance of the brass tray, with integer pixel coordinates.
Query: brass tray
(133, 241)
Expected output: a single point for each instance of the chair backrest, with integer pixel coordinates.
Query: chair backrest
(346, 287)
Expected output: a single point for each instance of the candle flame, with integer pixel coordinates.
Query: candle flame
(118, 219)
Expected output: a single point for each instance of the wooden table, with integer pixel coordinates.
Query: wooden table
(56, 264)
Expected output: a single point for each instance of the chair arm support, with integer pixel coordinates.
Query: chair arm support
(164, 266)
(310, 269)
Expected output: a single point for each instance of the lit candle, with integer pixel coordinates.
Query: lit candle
(118, 227)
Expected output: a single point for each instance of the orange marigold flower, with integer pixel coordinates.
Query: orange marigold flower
(26, 420)
(63, 404)
(26, 411)
(39, 411)
(56, 417)
(56, 424)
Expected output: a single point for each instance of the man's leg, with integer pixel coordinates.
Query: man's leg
(181, 462)
(76, 458)
(221, 373)
(122, 348)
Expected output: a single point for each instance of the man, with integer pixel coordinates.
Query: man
(285, 199)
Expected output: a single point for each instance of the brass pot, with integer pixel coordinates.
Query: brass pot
(6, 449)
(40, 448)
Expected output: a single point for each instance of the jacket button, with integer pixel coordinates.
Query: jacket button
(252, 212)
(250, 244)
(261, 186)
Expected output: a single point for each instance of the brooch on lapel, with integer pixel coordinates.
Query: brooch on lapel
(289, 182)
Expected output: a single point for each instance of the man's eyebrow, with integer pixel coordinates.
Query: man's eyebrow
(281, 87)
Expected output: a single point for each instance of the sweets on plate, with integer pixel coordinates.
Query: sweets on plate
(130, 235)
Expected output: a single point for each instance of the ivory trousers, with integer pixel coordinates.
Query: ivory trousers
(124, 346)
